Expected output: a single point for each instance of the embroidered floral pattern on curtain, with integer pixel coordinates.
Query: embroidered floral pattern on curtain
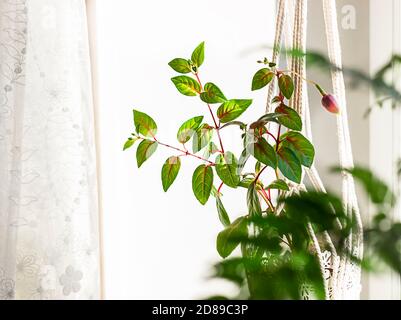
(48, 199)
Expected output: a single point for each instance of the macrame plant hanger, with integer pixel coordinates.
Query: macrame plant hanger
(342, 275)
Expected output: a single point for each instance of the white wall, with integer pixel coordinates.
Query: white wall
(162, 245)
(385, 36)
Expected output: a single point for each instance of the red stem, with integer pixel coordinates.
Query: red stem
(278, 137)
(217, 126)
(219, 189)
(270, 134)
(185, 152)
(218, 135)
(200, 83)
(268, 198)
(260, 172)
(266, 195)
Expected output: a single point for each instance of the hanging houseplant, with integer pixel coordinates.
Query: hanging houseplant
(284, 150)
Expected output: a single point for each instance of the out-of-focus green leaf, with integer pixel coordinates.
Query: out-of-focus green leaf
(230, 238)
(377, 190)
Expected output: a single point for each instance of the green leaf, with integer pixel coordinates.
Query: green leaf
(188, 129)
(198, 55)
(145, 149)
(262, 78)
(212, 148)
(286, 85)
(202, 137)
(214, 192)
(170, 171)
(258, 128)
(254, 208)
(202, 182)
(129, 143)
(258, 167)
(289, 165)
(301, 146)
(230, 238)
(279, 185)
(251, 136)
(276, 99)
(223, 215)
(232, 109)
(270, 117)
(290, 118)
(227, 169)
(319, 208)
(246, 182)
(212, 94)
(243, 160)
(180, 65)
(240, 124)
(144, 124)
(378, 191)
(263, 152)
(186, 85)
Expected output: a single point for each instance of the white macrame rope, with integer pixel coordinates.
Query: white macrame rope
(355, 241)
(293, 103)
(297, 65)
(281, 16)
(301, 104)
(292, 16)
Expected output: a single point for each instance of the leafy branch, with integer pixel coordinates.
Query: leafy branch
(276, 225)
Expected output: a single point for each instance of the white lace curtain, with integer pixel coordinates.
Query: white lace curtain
(48, 189)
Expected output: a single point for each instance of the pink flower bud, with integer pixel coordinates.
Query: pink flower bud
(330, 103)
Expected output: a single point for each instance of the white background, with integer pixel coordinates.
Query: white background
(163, 245)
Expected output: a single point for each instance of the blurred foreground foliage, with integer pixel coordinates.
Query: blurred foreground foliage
(270, 273)
(266, 271)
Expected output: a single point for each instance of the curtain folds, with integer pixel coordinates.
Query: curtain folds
(48, 188)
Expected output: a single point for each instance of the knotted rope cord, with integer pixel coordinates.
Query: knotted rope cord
(299, 102)
(301, 105)
(281, 16)
(299, 66)
(355, 242)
